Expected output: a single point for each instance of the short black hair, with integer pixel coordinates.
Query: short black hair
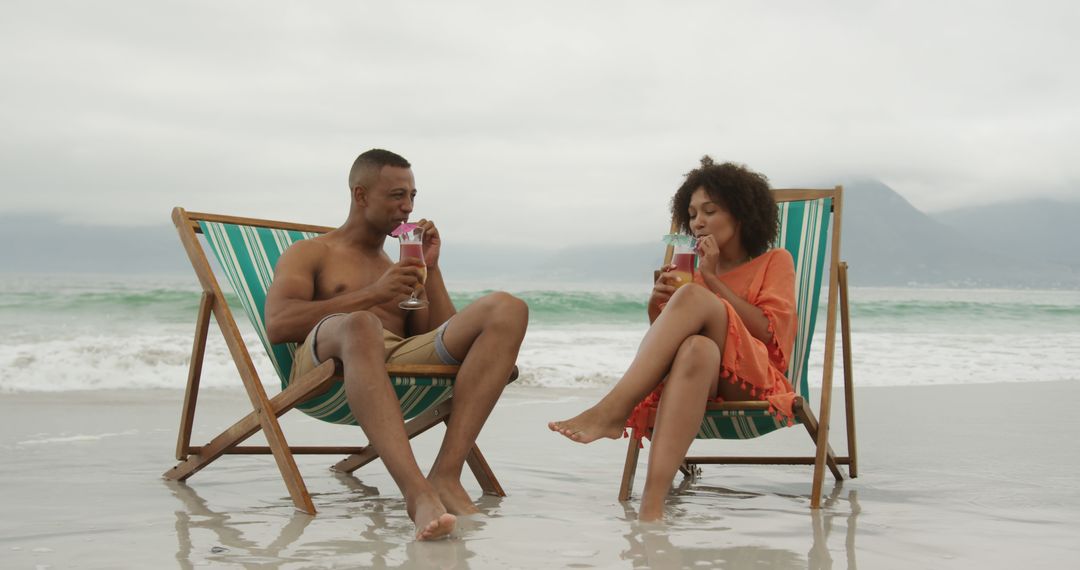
(369, 163)
(745, 194)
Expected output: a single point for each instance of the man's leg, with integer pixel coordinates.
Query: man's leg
(485, 337)
(356, 339)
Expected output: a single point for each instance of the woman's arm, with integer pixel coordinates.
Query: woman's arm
(752, 317)
(661, 293)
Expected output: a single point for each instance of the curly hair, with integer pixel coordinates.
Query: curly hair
(745, 194)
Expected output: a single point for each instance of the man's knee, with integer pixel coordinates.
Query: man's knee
(507, 311)
(362, 325)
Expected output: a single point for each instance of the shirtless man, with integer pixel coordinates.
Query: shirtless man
(338, 294)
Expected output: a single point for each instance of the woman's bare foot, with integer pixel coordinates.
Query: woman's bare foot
(453, 496)
(590, 425)
(430, 517)
(651, 515)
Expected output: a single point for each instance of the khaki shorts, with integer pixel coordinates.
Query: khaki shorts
(427, 348)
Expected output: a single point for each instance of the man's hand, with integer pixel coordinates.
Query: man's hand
(432, 243)
(399, 281)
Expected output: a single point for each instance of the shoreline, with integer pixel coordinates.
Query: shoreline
(82, 486)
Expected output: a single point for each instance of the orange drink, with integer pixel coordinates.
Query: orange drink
(684, 268)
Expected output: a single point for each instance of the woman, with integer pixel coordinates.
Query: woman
(726, 336)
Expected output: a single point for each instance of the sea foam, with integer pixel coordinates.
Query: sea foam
(112, 333)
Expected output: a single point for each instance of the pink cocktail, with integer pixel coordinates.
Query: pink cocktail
(412, 246)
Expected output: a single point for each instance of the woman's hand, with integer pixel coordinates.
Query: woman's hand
(708, 255)
(663, 288)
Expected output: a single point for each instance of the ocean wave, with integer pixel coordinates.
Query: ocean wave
(553, 356)
(175, 305)
(72, 334)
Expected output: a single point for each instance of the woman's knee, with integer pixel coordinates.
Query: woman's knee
(697, 354)
(697, 299)
(690, 295)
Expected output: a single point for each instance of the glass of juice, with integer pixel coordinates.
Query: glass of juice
(412, 245)
(684, 259)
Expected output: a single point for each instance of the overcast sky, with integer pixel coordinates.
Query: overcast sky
(548, 118)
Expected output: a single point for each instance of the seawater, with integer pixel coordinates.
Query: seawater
(89, 332)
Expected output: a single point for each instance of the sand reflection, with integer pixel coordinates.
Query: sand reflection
(361, 529)
(651, 545)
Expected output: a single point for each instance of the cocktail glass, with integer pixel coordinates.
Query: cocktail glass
(684, 258)
(412, 245)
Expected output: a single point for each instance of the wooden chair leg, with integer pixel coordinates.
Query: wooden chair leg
(630, 467)
(265, 418)
(422, 422)
(807, 418)
(484, 475)
(686, 469)
(191, 395)
(283, 456)
(418, 425)
(849, 386)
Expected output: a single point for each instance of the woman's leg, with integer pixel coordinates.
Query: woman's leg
(692, 381)
(692, 310)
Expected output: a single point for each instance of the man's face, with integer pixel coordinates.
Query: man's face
(390, 199)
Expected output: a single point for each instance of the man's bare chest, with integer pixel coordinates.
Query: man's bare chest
(342, 274)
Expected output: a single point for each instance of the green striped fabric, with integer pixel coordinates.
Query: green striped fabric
(804, 230)
(247, 255)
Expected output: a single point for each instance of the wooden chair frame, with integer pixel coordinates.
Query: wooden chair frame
(266, 410)
(817, 427)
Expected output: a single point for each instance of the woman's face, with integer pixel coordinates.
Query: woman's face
(708, 218)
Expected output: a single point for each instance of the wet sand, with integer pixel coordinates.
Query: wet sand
(949, 478)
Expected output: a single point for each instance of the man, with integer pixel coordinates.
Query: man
(338, 294)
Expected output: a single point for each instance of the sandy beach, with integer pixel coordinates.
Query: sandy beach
(949, 478)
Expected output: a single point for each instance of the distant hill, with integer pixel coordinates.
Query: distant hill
(886, 241)
(37, 243)
(1042, 230)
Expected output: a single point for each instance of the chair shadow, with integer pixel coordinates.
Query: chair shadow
(235, 544)
(231, 539)
(651, 547)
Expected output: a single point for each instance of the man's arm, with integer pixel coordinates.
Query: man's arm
(440, 308)
(291, 308)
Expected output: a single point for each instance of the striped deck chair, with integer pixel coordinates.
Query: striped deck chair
(247, 250)
(804, 231)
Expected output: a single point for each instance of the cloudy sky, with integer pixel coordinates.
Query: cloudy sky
(546, 118)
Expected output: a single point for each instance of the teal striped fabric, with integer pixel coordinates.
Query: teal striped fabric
(247, 255)
(804, 231)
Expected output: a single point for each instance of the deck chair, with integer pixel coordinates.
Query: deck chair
(246, 251)
(805, 232)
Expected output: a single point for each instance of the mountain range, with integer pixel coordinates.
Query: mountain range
(885, 240)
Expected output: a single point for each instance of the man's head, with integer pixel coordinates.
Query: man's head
(365, 169)
(382, 188)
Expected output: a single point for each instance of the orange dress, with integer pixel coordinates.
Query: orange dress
(768, 283)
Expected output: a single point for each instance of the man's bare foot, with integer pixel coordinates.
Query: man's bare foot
(430, 516)
(589, 426)
(453, 496)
